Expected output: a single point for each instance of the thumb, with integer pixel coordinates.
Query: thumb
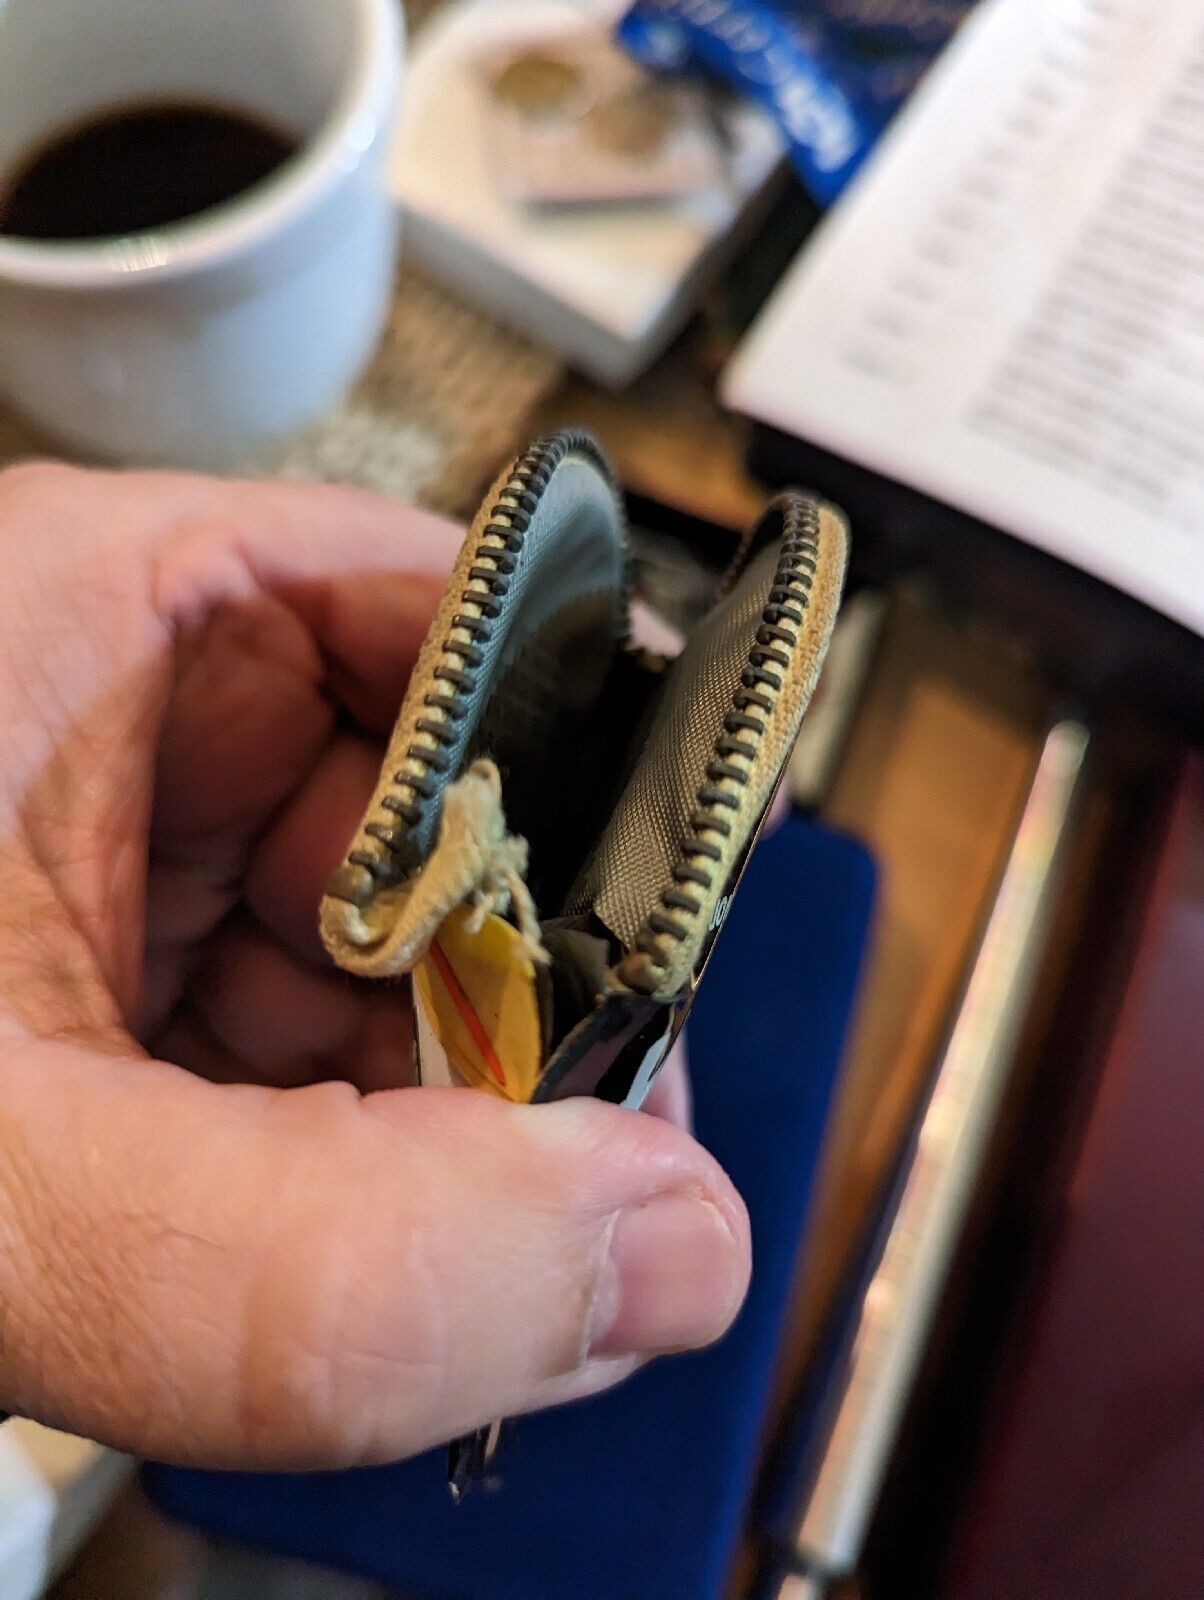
(237, 1276)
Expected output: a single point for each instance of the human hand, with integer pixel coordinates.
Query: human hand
(225, 1235)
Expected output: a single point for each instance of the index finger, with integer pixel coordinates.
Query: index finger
(287, 601)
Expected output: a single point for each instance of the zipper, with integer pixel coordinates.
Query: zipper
(417, 785)
(689, 906)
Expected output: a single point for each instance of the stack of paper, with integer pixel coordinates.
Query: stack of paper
(1007, 310)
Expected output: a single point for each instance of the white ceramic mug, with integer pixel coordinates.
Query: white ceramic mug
(198, 343)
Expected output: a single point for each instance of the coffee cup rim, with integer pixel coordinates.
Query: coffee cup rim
(229, 230)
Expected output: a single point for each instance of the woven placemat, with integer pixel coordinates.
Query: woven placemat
(446, 399)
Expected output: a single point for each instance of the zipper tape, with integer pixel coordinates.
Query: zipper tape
(746, 761)
(392, 845)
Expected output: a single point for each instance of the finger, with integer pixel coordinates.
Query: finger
(258, 679)
(363, 572)
(127, 565)
(372, 632)
(285, 1022)
(187, 1041)
(256, 1278)
(296, 855)
(256, 693)
(275, 1014)
(286, 602)
(211, 622)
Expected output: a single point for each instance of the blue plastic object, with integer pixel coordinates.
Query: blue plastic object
(639, 1494)
(831, 73)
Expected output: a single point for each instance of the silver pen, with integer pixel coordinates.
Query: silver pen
(888, 1333)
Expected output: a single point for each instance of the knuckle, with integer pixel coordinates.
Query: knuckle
(346, 1352)
(328, 1365)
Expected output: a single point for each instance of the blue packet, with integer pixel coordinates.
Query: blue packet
(831, 73)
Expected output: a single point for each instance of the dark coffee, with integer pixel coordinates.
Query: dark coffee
(137, 168)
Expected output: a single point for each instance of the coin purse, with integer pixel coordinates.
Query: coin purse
(562, 818)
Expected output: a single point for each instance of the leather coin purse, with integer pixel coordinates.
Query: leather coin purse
(561, 818)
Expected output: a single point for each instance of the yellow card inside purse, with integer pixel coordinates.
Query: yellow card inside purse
(476, 1008)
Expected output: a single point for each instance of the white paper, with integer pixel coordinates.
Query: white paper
(27, 1508)
(1007, 309)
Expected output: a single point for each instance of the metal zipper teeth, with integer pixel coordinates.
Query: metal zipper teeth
(735, 751)
(495, 560)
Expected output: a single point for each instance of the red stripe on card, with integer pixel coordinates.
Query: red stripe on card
(476, 1028)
